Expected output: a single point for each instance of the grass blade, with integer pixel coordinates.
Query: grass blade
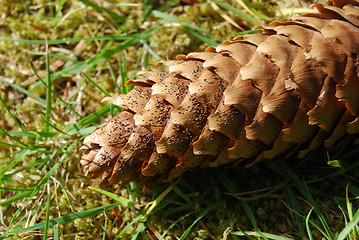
(157, 201)
(292, 202)
(174, 223)
(192, 30)
(97, 85)
(123, 201)
(14, 139)
(261, 234)
(15, 198)
(204, 213)
(349, 227)
(67, 218)
(16, 119)
(77, 127)
(48, 92)
(307, 224)
(179, 192)
(57, 232)
(47, 212)
(238, 12)
(24, 91)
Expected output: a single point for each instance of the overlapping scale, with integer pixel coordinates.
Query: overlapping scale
(260, 96)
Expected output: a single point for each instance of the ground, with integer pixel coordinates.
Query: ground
(90, 49)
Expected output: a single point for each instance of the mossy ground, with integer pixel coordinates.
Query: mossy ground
(40, 20)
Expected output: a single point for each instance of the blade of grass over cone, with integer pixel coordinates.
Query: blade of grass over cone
(290, 11)
(123, 201)
(67, 218)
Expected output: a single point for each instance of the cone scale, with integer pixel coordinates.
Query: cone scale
(268, 95)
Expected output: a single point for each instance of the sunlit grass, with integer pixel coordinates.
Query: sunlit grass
(44, 195)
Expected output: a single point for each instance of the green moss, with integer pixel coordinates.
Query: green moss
(167, 42)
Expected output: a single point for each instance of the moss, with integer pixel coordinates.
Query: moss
(16, 59)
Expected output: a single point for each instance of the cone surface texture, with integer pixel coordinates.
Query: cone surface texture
(260, 96)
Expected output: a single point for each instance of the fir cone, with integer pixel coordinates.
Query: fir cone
(284, 91)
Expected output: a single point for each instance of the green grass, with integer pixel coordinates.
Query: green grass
(44, 195)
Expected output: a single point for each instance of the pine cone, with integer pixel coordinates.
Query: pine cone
(260, 96)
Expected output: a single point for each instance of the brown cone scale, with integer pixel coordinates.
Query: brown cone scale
(284, 91)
